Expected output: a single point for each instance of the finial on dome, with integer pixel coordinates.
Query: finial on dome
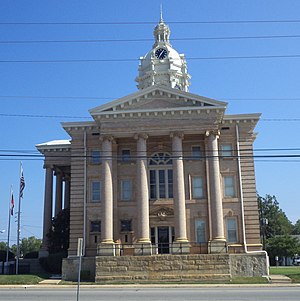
(161, 14)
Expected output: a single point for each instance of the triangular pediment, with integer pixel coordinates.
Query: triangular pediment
(161, 212)
(157, 98)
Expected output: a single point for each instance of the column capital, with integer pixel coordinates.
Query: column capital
(177, 134)
(46, 166)
(141, 135)
(58, 172)
(109, 138)
(212, 132)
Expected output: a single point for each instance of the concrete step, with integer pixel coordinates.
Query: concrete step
(277, 279)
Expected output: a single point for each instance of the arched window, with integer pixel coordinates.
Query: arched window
(161, 176)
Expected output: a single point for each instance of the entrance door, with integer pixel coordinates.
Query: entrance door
(163, 240)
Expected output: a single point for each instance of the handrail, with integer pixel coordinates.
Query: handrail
(123, 249)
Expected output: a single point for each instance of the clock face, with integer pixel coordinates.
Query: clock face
(161, 53)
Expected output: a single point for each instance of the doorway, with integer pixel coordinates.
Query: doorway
(162, 237)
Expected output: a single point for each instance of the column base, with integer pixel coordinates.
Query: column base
(143, 248)
(217, 247)
(180, 247)
(106, 249)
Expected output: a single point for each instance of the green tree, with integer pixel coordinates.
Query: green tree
(282, 246)
(272, 219)
(3, 245)
(27, 245)
(58, 235)
(296, 228)
(30, 244)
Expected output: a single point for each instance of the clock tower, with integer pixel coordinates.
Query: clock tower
(163, 65)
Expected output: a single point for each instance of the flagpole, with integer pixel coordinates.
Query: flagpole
(8, 228)
(18, 236)
(22, 185)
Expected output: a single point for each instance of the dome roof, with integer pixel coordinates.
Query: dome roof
(150, 55)
(163, 65)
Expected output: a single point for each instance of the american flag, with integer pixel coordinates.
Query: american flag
(22, 183)
(12, 204)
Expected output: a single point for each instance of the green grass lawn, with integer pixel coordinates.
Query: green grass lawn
(292, 272)
(19, 279)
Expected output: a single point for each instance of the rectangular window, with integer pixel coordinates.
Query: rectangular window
(196, 152)
(126, 156)
(231, 230)
(95, 157)
(197, 187)
(126, 188)
(95, 226)
(226, 150)
(200, 231)
(126, 225)
(162, 184)
(152, 184)
(96, 191)
(229, 187)
(170, 183)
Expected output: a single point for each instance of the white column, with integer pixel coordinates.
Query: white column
(142, 189)
(47, 207)
(179, 189)
(58, 193)
(215, 187)
(107, 191)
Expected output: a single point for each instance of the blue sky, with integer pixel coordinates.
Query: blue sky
(255, 85)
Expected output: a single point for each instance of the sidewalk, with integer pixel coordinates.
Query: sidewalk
(280, 279)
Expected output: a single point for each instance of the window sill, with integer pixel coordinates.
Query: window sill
(230, 200)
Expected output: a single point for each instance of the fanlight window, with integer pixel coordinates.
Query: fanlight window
(160, 159)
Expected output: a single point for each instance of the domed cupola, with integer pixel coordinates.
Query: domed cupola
(163, 65)
(161, 33)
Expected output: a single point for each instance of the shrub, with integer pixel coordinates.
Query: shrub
(85, 275)
(33, 254)
(3, 255)
(52, 263)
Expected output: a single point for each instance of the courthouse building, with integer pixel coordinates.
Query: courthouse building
(161, 170)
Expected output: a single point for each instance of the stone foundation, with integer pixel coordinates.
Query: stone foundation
(249, 265)
(167, 268)
(70, 268)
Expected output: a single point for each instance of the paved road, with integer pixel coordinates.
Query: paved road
(158, 294)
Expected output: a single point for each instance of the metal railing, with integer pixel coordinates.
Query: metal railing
(125, 249)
